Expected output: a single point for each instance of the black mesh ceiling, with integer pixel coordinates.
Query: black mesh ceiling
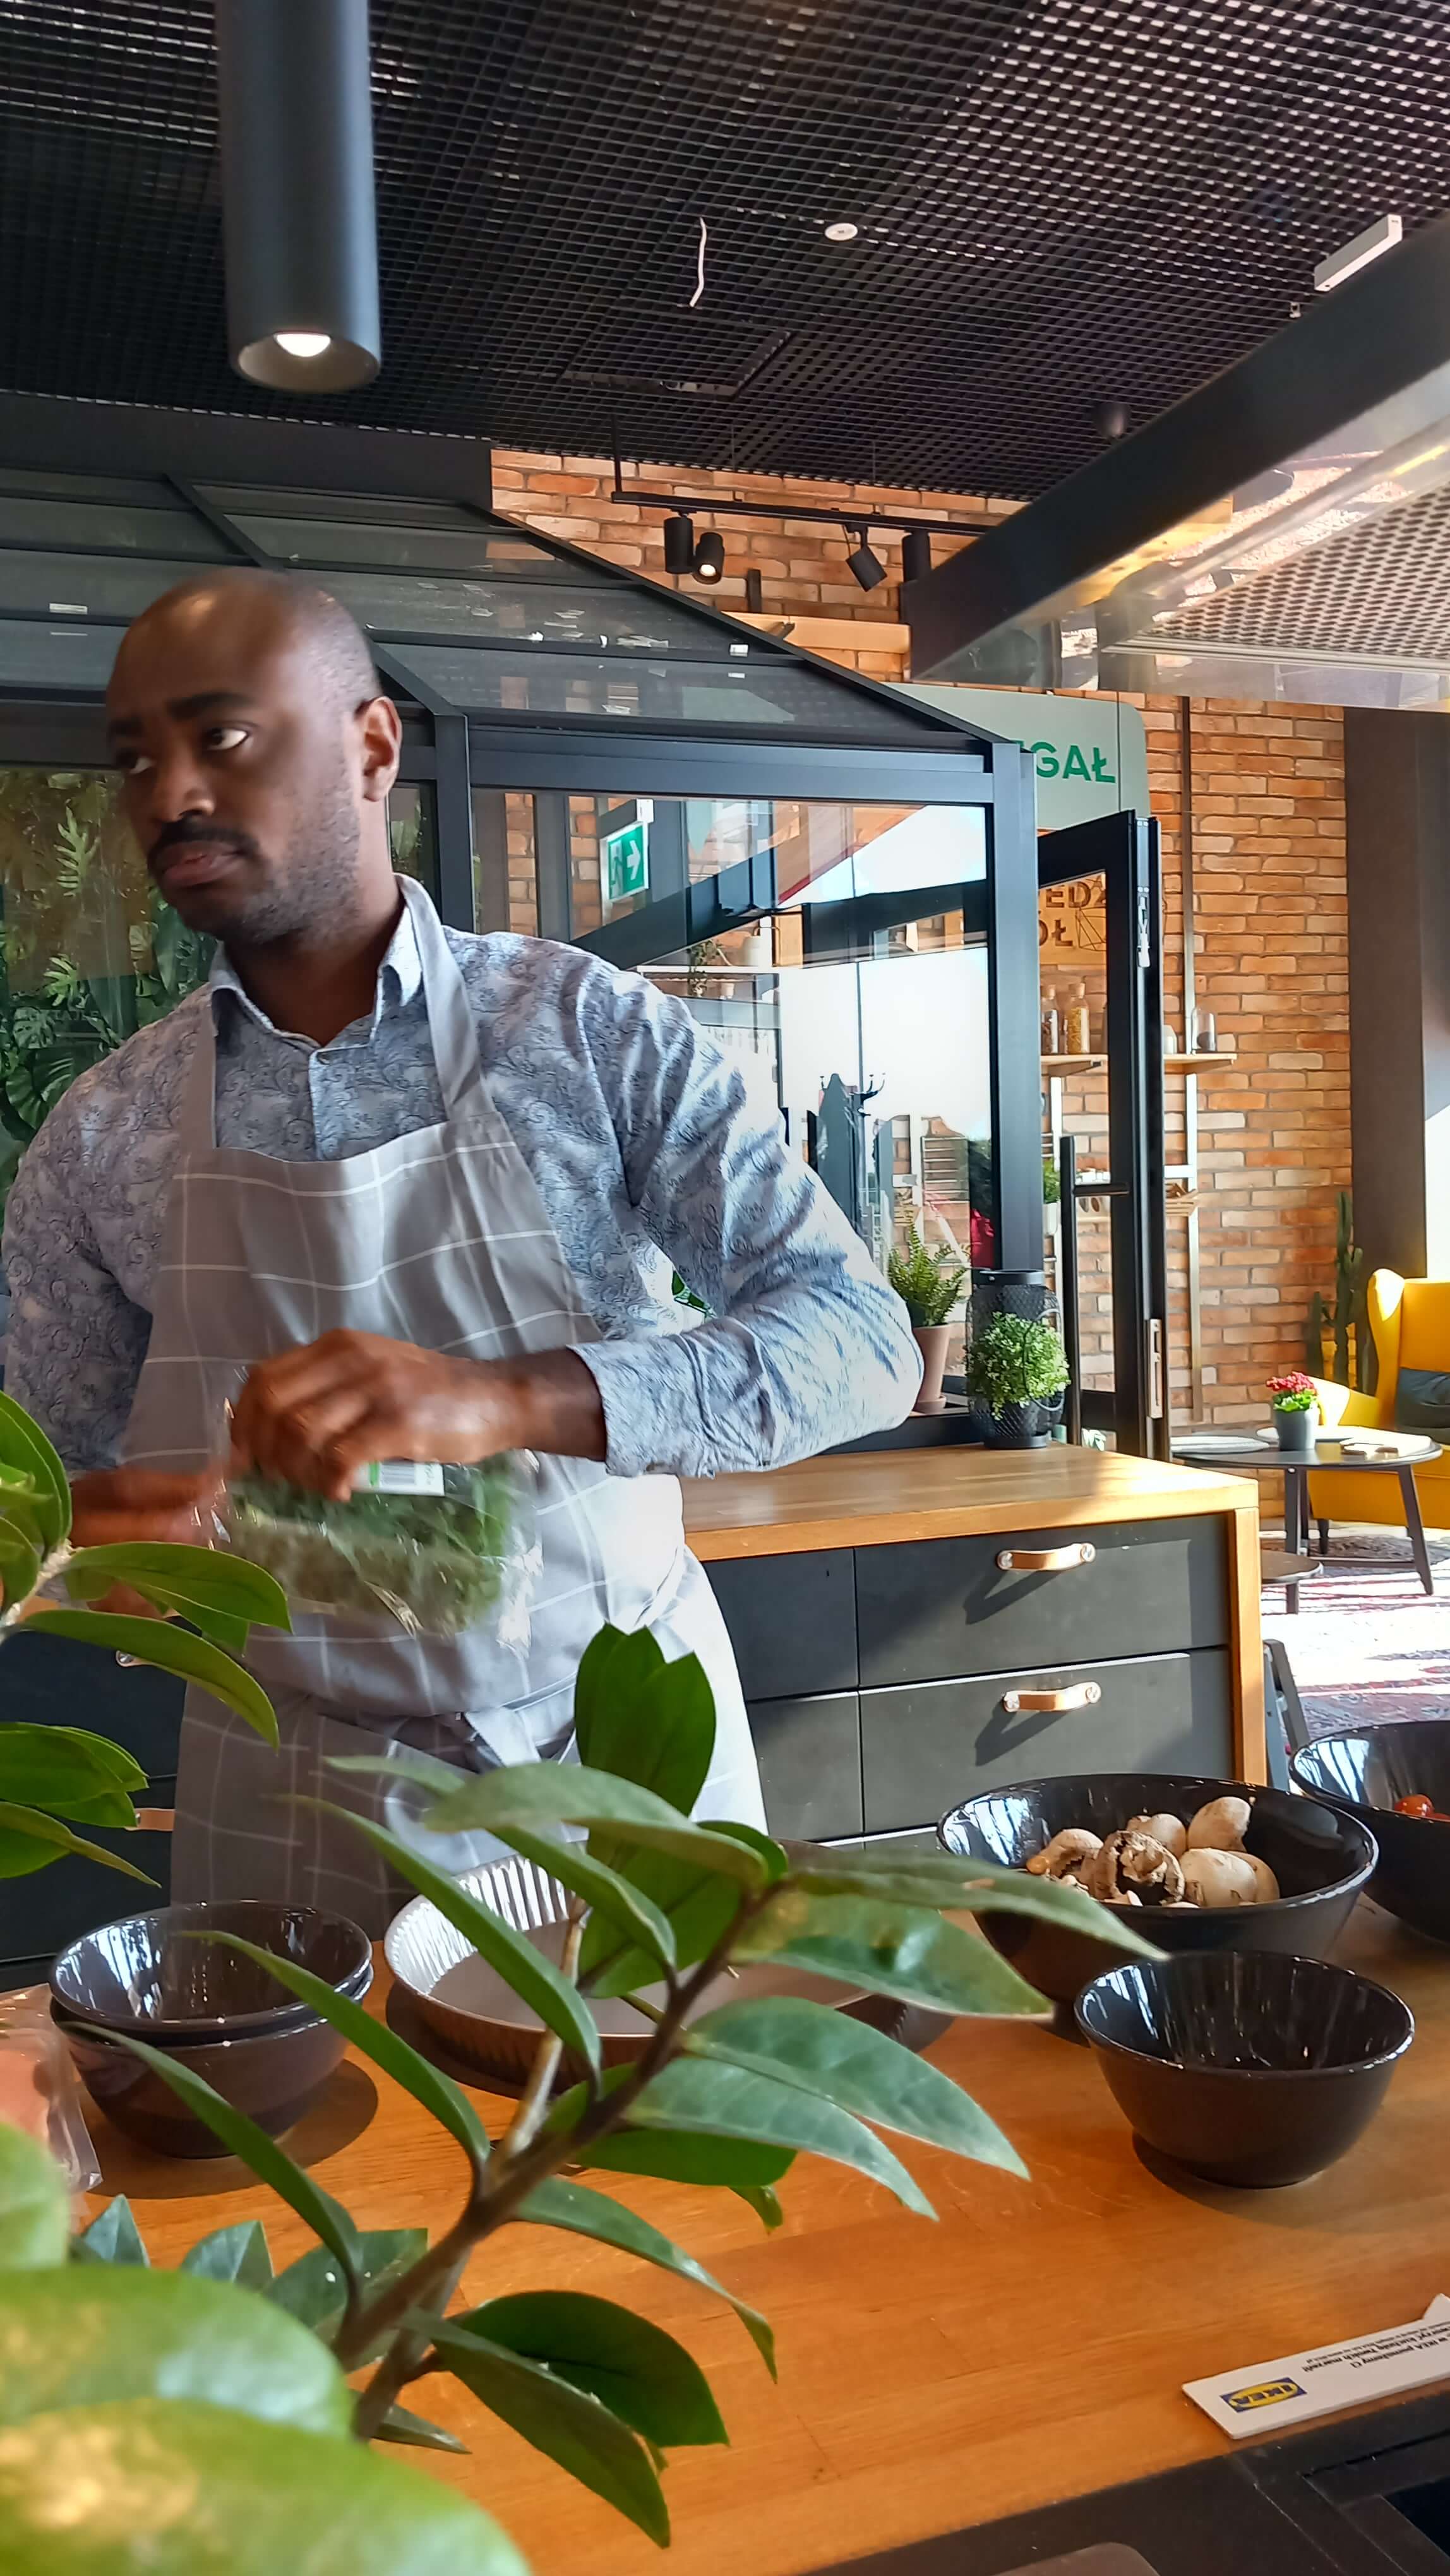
(1059, 202)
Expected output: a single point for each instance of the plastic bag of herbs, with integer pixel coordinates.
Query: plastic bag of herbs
(439, 1549)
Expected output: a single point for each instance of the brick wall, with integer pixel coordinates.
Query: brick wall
(1271, 915)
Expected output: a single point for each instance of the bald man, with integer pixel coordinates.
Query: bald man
(388, 1191)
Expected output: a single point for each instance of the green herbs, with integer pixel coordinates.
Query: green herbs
(928, 1283)
(437, 1563)
(1015, 1361)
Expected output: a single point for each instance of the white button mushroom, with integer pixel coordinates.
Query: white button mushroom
(1214, 1877)
(1070, 1850)
(1132, 1864)
(1167, 1830)
(1265, 1882)
(1220, 1826)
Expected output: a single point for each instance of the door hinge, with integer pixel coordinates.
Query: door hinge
(1145, 930)
(1156, 1406)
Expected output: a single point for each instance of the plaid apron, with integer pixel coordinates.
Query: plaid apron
(439, 1238)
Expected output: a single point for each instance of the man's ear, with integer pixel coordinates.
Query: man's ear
(381, 728)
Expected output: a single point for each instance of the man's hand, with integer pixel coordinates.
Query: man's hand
(116, 1505)
(316, 1417)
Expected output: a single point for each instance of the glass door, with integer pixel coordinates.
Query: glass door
(1105, 1245)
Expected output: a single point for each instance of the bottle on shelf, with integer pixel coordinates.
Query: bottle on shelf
(1078, 1031)
(1049, 1021)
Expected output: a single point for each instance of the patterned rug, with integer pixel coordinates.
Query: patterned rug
(1368, 1645)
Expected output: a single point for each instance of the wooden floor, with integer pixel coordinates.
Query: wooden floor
(1031, 2345)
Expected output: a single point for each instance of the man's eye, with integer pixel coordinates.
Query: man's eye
(226, 737)
(133, 762)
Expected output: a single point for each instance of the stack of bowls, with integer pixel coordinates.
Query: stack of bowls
(211, 2008)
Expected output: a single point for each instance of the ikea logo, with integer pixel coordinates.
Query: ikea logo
(1269, 2392)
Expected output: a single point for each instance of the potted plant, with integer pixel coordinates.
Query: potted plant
(1296, 1411)
(1016, 1369)
(242, 2407)
(928, 1284)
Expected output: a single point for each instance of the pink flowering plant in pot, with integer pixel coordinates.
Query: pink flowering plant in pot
(1296, 1411)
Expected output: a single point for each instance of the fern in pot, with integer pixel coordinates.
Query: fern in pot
(929, 1285)
(1017, 1369)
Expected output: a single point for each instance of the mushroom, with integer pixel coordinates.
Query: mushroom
(1133, 1865)
(1264, 1879)
(1214, 1877)
(1067, 1853)
(1167, 1830)
(1220, 1826)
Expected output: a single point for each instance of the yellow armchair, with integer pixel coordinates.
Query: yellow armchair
(1409, 1320)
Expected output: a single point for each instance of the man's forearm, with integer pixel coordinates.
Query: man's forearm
(557, 1404)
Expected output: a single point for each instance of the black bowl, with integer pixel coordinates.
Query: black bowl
(1245, 2066)
(147, 1976)
(273, 2075)
(1321, 1861)
(1362, 1776)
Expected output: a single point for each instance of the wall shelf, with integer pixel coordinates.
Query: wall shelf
(1065, 1064)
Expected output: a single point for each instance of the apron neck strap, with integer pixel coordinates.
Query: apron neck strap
(450, 1026)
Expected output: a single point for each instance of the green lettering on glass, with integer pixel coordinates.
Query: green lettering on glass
(1046, 758)
(1075, 766)
(1101, 772)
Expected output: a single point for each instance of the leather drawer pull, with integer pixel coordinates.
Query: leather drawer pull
(1045, 1560)
(156, 1820)
(1076, 1695)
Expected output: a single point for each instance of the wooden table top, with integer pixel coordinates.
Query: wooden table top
(1030, 2346)
(886, 1495)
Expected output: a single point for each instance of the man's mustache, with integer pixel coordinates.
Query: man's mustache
(186, 833)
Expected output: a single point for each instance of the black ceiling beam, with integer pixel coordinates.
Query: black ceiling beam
(58, 434)
(1372, 338)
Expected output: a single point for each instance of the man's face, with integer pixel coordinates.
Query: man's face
(245, 778)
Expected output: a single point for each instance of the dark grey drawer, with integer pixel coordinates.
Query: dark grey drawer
(927, 1747)
(55, 1681)
(942, 1607)
(792, 1621)
(809, 1752)
(42, 1914)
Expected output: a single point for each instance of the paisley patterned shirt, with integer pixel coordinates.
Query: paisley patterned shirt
(643, 1138)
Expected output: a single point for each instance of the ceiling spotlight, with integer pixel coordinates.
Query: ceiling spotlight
(294, 94)
(867, 567)
(1357, 254)
(915, 555)
(679, 543)
(1111, 419)
(842, 232)
(710, 556)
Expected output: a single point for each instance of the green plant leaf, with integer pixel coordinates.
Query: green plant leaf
(763, 2201)
(634, 2368)
(575, 2430)
(34, 2205)
(114, 2237)
(31, 1841)
(170, 1650)
(79, 2337)
(591, 2213)
(976, 1887)
(643, 1719)
(890, 1949)
(314, 2289)
(24, 1445)
(189, 1579)
(854, 2066)
(629, 1911)
(535, 1979)
(444, 2100)
(226, 2495)
(740, 2164)
(241, 2137)
(238, 2253)
(66, 1770)
(698, 1906)
(699, 2093)
(416, 2433)
(565, 1793)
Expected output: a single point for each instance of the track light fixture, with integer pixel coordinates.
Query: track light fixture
(679, 543)
(915, 555)
(867, 567)
(710, 557)
(298, 218)
(754, 592)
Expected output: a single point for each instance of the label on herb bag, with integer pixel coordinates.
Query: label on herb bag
(401, 1476)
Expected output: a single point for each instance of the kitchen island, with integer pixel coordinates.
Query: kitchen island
(1030, 2346)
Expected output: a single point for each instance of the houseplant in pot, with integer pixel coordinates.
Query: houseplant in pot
(928, 1284)
(1017, 1369)
(1296, 1411)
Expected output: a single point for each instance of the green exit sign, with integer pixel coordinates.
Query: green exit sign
(626, 861)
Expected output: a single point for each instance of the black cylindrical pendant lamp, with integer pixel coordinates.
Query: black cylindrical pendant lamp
(299, 218)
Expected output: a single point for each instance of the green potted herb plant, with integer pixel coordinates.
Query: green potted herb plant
(928, 1284)
(1296, 1411)
(1016, 1369)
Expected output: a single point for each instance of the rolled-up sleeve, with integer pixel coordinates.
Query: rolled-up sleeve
(804, 1344)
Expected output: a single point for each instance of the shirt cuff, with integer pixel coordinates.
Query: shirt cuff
(651, 1403)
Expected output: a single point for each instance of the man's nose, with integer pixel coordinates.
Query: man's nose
(179, 785)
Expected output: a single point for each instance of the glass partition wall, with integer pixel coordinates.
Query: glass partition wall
(838, 882)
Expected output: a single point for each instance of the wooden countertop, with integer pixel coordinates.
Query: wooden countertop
(1030, 2346)
(892, 1494)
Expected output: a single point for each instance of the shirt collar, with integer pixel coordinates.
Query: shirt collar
(400, 976)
